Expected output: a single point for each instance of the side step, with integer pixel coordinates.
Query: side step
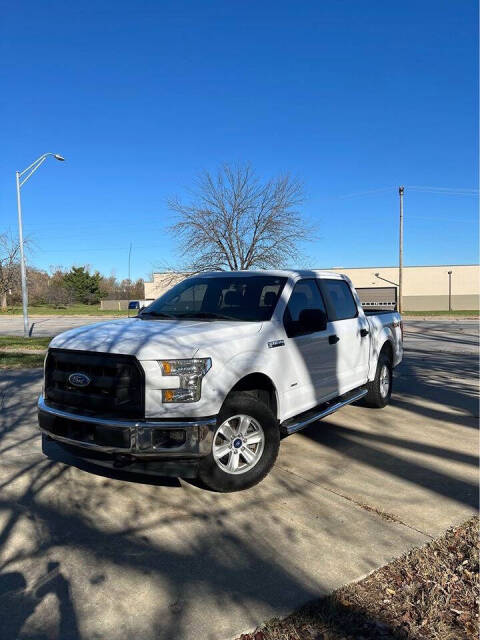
(299, 422)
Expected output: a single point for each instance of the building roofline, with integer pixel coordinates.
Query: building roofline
(408, 266)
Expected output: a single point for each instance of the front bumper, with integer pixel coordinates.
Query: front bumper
(141, 439)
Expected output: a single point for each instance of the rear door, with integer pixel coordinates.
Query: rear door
(311, 354)
(351, 329)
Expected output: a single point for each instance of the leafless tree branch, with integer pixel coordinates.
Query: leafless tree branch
(9, 266)
(235, 221)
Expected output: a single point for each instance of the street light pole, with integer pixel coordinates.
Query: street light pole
(22, 260)
(450, 290)
(30, 170)
(129, 281)
(400, 252)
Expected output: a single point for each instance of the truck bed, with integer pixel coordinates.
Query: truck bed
(377, 312)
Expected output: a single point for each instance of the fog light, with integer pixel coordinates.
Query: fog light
(168, 438)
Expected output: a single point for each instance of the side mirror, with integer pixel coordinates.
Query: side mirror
(313, 320)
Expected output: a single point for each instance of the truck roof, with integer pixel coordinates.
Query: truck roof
(281, 273)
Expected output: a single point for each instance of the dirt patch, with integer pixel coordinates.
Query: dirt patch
(429, 593)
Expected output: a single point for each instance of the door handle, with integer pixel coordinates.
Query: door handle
(333, 339)
(364, 332)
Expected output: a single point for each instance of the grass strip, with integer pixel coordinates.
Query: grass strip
(70, 310)
(21, 343)
(428, 593)
(14, 360)
(452, 314)
(14, 352)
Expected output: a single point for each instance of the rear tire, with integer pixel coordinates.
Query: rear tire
(380, 389)
(245, 445)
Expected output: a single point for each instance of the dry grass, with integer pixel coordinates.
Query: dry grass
(429, 593)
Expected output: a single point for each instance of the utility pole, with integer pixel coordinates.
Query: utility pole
(400, 252)
(450, 290)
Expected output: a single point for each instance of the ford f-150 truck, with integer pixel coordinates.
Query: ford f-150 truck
(207, 379)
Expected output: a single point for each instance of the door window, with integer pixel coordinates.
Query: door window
(341, 302)
(305, 295)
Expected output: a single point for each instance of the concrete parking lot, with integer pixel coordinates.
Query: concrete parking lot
(86, 553)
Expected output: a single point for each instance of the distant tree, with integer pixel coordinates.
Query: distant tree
(9, 267)
(134, 289)
(84, 286)
(112, 289)
(38, 285)
(236, 221)
(58, 294)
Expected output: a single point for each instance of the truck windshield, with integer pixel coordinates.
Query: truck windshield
(244, 298)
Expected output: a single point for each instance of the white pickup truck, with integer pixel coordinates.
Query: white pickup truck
(207, 379)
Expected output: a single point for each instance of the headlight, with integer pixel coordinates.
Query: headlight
(190, 373)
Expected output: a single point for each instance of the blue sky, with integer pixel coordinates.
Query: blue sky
(139, 97)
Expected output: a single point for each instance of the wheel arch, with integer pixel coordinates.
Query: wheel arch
(387, 349)
(262, 385)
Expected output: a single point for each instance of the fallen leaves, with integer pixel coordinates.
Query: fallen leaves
(431, 592)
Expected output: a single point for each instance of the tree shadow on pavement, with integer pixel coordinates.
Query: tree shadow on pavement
(134, 557)
(360, 446)
(448, 379)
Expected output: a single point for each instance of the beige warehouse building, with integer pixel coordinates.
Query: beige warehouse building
(425, 288)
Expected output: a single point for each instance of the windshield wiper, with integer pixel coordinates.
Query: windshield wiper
(156, 314)
(208, 315)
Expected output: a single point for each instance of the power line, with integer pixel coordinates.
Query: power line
(458, 191)
(366, 193)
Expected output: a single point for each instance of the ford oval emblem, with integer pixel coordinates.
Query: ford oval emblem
(79, 379)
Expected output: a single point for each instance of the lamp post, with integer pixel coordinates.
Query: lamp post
(450, 290)
(29, 171)
(377, 275)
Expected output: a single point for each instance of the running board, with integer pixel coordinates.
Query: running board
(292, 427)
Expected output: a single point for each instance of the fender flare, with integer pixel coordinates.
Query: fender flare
(245, 365)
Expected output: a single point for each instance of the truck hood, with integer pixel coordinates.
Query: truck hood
(154, 339)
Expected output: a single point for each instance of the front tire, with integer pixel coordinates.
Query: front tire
(380, 389)
(245, 445)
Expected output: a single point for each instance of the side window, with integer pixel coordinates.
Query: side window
(305, 295)
(339, 295)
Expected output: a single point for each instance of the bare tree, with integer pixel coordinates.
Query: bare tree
(235, 221)
(9, 266)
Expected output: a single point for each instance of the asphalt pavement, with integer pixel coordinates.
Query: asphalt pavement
(86, 553)
(45, 326)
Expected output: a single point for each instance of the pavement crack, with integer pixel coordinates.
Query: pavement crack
(389, 517)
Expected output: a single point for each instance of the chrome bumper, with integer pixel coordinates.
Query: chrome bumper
(140, 438)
